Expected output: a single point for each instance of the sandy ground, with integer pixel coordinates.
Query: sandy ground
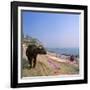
(48, 65)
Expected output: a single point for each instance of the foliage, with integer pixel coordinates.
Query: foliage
(30, 40)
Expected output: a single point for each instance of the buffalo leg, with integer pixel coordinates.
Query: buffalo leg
(30, 62)
(34, 61)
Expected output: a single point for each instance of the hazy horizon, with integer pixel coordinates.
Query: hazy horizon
(52, 29)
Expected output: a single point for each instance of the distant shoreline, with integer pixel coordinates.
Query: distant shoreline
(64, 51)
(62, 56)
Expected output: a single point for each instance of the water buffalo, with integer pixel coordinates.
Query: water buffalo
(32, 51)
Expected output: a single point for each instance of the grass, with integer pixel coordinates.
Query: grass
(68, 69)
(40, 70)
(43, 68)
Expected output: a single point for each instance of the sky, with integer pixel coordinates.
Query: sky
(54, 30)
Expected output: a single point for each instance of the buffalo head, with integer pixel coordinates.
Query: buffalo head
(41, 50)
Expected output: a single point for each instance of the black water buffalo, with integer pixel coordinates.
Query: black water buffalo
(32, 51)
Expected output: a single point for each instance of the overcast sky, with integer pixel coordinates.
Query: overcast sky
(52, 29)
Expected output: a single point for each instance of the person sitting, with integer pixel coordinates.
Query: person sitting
(71, 58)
